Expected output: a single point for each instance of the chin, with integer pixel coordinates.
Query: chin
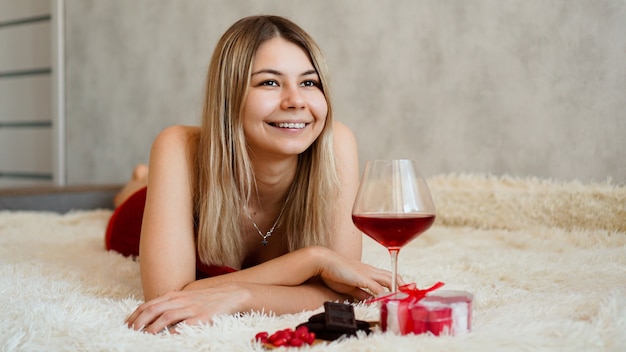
(295, 150)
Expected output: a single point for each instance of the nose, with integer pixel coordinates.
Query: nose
(292, 98)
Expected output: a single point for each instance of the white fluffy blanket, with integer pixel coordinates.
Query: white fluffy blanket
(545, 260)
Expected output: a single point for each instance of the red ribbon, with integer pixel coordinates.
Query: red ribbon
(413, 293)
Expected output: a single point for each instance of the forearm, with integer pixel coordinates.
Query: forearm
(300, 280)
(195, 306)
(291, 269)
(287, 299)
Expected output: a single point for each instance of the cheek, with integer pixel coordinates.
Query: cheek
(254, 107)
(319, 107)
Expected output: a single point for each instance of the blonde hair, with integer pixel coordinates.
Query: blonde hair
(225, 178)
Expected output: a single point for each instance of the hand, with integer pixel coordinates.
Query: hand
(190, 307)
(351, 277)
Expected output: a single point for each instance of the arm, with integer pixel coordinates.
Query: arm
(167, 246)
(348, 276)
(244, 291)
(347, 239)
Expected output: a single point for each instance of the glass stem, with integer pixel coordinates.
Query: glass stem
(393, 253)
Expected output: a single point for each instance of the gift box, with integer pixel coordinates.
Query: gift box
(414, 311)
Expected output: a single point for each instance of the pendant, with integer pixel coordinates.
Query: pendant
(268, 234)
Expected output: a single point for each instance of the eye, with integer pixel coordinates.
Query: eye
(310, 83)
(269, 83)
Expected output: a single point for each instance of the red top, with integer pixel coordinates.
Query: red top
(124, 230)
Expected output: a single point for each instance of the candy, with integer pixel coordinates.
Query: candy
(337, 321)
(339, 317)
(286, 337)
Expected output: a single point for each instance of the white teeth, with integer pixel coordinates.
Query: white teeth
(291, 125)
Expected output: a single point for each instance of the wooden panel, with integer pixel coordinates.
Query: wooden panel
(17, 9)
(26, 98)
(25, 47)
(26, 150)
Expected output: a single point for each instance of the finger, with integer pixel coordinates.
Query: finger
(360, 294)
(133, 316)
(376, 287)
(168, 319)
(383, 282)
(131, 319)
(144, 316)
(150, 313)
(381, 276)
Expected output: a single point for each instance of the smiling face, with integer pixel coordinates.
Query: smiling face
(285, 109)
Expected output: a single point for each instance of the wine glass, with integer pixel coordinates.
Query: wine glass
(393, 206)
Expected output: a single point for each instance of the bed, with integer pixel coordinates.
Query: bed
(545, 261)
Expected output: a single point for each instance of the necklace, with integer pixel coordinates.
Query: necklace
(269, 233)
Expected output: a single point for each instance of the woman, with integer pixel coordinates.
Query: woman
(251, 211)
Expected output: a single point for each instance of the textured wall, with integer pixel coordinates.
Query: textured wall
(524, 87)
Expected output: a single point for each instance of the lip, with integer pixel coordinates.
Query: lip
(290, 125)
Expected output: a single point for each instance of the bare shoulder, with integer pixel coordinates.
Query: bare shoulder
(178, 137)
(344, 141)
(174, 151)
(346, 154)
(343, 132)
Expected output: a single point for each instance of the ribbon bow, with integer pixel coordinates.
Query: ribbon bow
(413, 293)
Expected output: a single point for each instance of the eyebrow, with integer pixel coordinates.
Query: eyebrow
(278, 73)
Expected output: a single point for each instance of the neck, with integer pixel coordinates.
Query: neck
(273, 180)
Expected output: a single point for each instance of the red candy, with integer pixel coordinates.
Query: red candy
(296, 342)
(262, 336)
(287, 337)
(303, 334)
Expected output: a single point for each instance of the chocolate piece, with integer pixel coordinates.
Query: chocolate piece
(337, 321)
(339, 317)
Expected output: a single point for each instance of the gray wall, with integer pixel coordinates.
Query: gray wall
(527, 87)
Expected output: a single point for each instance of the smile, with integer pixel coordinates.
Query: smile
(294, 125)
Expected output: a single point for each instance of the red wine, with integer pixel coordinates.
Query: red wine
(393, 230)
